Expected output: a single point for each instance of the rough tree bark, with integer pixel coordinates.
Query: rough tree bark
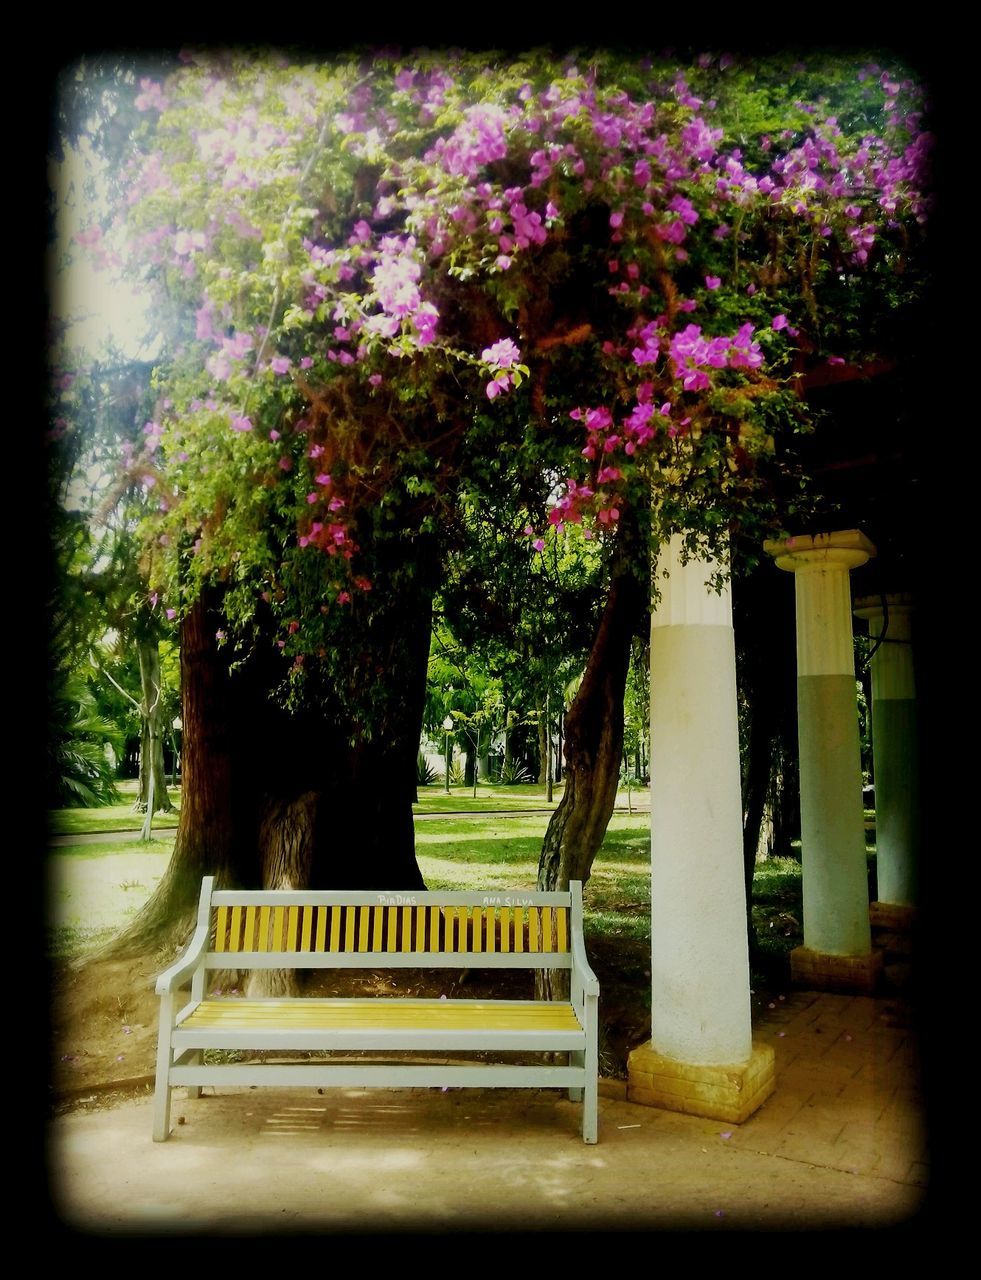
(593, 746)
(272, 799)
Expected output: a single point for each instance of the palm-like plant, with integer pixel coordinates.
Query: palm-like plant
(80, 773)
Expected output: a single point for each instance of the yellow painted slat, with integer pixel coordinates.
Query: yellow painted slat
(292, 927)
(221, 926)
(308, 914)
(349, 913)
(263, 929)
(406, 929)
(248, 942)
(322, 914)
(547, 929)
(393, 920)
(278, 921)
(420, 929)
(519, 928)
(532, 928)
(377, 920)
(335, 928)
(363, 923)
(435, 920)
(563, 930)
(235, 930)
(433, 1015)
(491, 930)
(477, 923)
(504, 915)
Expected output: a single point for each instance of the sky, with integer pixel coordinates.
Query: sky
(101, 307)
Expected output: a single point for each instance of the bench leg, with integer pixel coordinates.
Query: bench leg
(590, 1102)
(161, 1109)
(161, 1094)
(590, 1111)
(195, 1060)
(576, 1059)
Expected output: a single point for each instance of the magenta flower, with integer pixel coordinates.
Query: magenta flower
(502, 355)
(241, 423)
(279, 364)
(171, 614)
(712, 282)
(779, 322)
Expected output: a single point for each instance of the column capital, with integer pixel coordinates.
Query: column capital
(846, 548)
(871, 606)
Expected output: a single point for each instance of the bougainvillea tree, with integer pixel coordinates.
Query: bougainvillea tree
(376, 273)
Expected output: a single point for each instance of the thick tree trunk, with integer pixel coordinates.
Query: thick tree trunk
(153, 778)
(208, 834)
(593, 746)
(273, 799)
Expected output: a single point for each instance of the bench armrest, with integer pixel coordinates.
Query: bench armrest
(178, 973)
(580, 967)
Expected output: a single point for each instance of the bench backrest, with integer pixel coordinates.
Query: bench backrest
(292, 928)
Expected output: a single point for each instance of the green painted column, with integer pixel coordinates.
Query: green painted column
(837, 951)
(894, 747)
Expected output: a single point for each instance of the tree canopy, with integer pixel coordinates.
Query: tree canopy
(374, 270)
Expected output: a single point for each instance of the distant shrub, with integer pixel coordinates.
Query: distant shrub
(425, 773)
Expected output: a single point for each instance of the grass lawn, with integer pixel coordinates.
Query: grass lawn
(96, 888)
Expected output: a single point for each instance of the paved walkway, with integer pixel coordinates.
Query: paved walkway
(842, 1144)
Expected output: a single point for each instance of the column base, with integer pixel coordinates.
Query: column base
(897, 917)
(729, 1093)
(822, 971)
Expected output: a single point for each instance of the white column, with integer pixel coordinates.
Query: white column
(894, 747)
(835, 880)
(700, 1005)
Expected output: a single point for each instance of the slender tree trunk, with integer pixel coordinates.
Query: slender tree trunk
(152, 730)
(593, 745)
(542, 747)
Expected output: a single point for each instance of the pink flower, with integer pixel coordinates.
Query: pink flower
(538, 544)
(279, 364)
(343, 597)
(241, 424)
(171, 614)
(502, 355)
(323, 478)
(274, 434)
(712, 282)
(779, 322)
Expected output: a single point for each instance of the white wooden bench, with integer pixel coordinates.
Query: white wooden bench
(306, 929)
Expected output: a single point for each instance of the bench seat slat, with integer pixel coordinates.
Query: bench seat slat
(384, 1011)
